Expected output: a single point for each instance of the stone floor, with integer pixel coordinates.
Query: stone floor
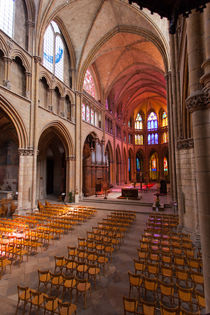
(106, 299)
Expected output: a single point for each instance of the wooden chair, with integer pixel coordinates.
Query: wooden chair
(130, 305)
(50, 304)
(36, 300)
(70, 266)
(83, 287)
(66, 308)
(59, 263)
(23, 296)
(197, 279)
(139, 266)
(135, 281)
(185, 296)
(72, 252)
(166, 289)
(102, 261)
(182, 276)
(56, 280)
(200, 300)
(69, 283)
(147, 307)
(93, 272)
(150, 285)
(152, 270)
(44, 278)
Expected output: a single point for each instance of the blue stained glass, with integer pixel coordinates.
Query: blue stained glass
(59, 55)
(156, 138)
(129, 164)
(152, 124)
(137, 165)
(48, 58)
(149, 139)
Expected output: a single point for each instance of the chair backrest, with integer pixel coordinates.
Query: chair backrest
(185, 312)
(134, 279)
(165, 310)
(197, 277)
(185, 294)
(181, 274)
(138, 265)
(66, 308)
(150, 284)
(200, 299)
(130, 305)
(148, 308)
(166, 288)
(22, 293)
(43, 275)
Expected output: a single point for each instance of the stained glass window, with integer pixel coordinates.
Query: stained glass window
(139, 139)
(83, 111)
(152, 138)
(129, 164)
(92, 116)
(96, 119)
(164, 120)
(87, 113)
(138, 122)
(152, 122)
(137, 165)
(88, 84)
(7, 8)
(153, 163)
(165, 137)
(165, 164)
(53, 52)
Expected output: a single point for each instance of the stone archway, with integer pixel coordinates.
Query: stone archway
(52, 174)
(9, 157)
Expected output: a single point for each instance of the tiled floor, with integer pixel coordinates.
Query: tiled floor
(106, 299)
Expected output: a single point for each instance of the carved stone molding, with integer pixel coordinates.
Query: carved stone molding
(71, 158)
(183, 144)
(198, 101)
(37, 59)
(26, 152)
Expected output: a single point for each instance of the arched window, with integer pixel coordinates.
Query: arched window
(139, 139)
(138, 122)
(165, 137)
(138, 168)
(165, 162)
(154, 166)
(88, 84)
(7, 9)
(152, 138)
(92, 116)
(53, 52)
(87, 113)
(83, 111)
(164, 120)
(152, 122)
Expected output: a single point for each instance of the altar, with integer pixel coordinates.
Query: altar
(130, 193)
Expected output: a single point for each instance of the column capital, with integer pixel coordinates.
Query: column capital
(183, 144)
(26, 151)
(37, 59)
(71, 158)
(197, 101)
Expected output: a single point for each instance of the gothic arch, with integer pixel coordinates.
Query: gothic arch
(63, 133)
(16, 120)
(157, 41)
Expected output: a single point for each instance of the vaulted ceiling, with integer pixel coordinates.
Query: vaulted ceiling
(126, 48)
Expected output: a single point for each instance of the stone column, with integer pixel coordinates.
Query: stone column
(62, 110)
(28, 84)
(78, 149)
(25, 179)
(70, 175)
(50, 98)
(30, 29)
(6, 81)
(93, 170)
(198, 104)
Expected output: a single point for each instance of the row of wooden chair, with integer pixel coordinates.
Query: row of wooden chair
(41, 301)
